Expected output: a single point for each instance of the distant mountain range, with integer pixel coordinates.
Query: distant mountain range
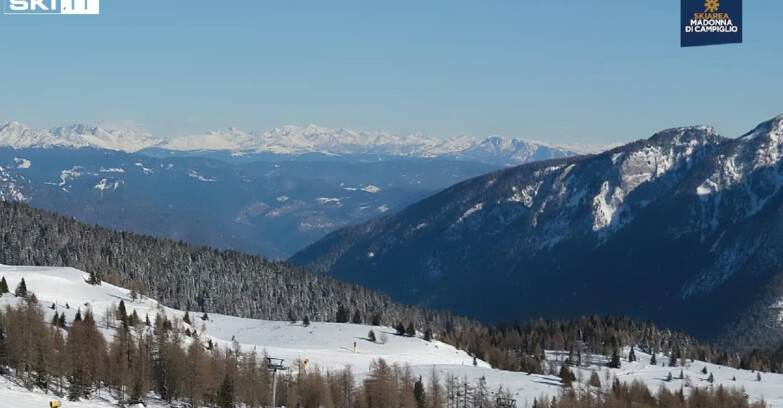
(312, 141)
(19, 136)
(684, 228)
(271, 208)
(269, 194)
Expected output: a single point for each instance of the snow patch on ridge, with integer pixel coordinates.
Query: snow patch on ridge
(327, 200)
(143, 169)
(194, 174)
(105, 184)
(22, 163)
(472, 210)
(526, 195)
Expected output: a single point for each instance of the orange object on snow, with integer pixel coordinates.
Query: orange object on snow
(54, 404)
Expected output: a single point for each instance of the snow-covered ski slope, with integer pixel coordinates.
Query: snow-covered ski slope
(330, 346)
(14, 396)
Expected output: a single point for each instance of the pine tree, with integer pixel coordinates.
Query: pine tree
(195, 372)
(566, 375)
(704, 370)
(615, 361)
(653, 360)
(225, 397)
(428, 334)
(94, 279)
(55, 319)
(376, 319)
(21, 289)
(682, 375)
(674, 356)
(120, 361)
(3, 286)
(342, 314)
(186, 319)
(205, 317)
(595, 380)
(357, 318)
(711, 379)
(411, 330)
(59, 359)
(631, 356)
(122, 313)
(371, 336)
(400, 328)
(418, 393)
(61, 322)
(134, 320)
(306, 321)
(475, 362)
(669, 377)
(86, 349)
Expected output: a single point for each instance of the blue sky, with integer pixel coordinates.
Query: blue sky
(554, 70)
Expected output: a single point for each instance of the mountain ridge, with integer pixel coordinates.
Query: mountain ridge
(681, 210)
(295, 141)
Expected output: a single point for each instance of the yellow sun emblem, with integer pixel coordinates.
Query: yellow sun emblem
(711, 6)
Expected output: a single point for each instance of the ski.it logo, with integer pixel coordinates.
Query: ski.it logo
(43, 7)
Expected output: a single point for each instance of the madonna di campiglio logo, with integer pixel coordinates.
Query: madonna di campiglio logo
(711, 6)
(710, 22)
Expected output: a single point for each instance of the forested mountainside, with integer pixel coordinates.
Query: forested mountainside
(190, 277)
(186, 276)
(683, 228)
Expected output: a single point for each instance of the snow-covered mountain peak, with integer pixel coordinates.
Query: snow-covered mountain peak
(16, 126)
(298, 140)
(769, 128)
(79, 128)
(83, 135)
(19, 136)
(685, 134)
